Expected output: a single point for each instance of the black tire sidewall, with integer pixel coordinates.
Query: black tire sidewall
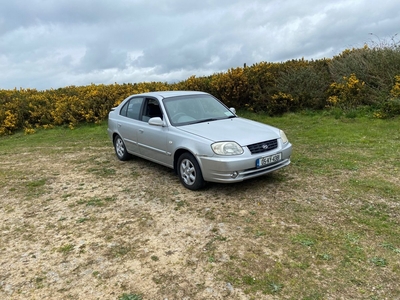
(125, 156)
(199, 181)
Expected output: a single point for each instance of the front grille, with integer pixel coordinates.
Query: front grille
(263, 146)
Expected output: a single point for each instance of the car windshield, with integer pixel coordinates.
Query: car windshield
(192, 109)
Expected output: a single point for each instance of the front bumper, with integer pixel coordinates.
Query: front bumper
(242, 167)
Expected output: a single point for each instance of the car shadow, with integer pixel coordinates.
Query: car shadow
(268, 181)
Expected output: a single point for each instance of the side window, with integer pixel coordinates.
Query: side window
(151, 109)
(132, 108)
(124, 109)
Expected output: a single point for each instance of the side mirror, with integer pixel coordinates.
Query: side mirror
(232, 109)
(156, 121)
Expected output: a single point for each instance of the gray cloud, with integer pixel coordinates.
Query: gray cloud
(55, 43)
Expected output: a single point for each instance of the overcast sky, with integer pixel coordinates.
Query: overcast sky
(56, 43)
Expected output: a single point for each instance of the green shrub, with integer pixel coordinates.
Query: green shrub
(308, 84)
(374, 65)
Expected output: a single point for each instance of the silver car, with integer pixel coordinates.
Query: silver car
(196, 135)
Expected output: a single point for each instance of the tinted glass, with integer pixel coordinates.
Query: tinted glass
(131, 109)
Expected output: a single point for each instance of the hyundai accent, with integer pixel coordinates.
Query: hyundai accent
(199, 137)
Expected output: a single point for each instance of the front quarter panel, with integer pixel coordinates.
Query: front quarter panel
(179, 140)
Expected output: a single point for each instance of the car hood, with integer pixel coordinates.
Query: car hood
(243, 131)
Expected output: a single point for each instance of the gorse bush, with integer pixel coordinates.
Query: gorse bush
(349, 93)
(376, 66)
(391, 107)
(231, 87)
(307, 84)
(29, 109)
(368, 76)
(262, 80)
(395, 92)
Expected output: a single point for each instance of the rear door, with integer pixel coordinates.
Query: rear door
(129, 123)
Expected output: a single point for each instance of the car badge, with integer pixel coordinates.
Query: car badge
(265, 146)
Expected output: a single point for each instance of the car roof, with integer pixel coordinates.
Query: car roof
(168, 94)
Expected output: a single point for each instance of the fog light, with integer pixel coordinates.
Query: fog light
(234, 174)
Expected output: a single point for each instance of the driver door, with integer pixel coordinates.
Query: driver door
(152, 139)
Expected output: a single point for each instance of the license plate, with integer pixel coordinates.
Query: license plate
(266, 160)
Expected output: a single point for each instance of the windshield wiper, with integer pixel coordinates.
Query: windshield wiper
(214, 119)
(208, 120)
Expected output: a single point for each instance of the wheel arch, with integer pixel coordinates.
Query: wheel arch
(178, 153)
(114, 134)
(188, 168)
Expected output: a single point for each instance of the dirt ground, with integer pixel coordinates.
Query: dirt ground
(83, 225)
(76, 223)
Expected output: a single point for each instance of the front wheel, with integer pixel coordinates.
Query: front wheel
(120, 149)
(189, 172)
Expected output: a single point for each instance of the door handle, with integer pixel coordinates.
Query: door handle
(141, 130)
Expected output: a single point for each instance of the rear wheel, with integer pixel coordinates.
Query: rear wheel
(189, 172)
(120, 149)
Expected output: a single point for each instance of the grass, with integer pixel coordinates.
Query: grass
(65, 249)
(325, 227)
(95, 201)
(130, 297)
(345, 203)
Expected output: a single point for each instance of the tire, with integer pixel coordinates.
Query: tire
(120, 149)
(189, 172)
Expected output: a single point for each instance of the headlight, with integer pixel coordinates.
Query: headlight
(283, 137)
(227, 148)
